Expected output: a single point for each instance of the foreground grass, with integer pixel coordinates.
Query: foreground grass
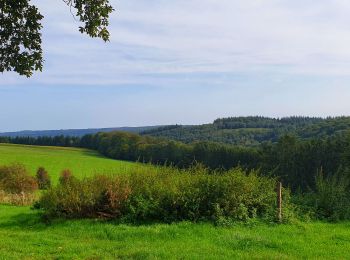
(81, 162)
(24, 236)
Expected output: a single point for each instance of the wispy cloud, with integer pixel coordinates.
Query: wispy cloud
(158, 38)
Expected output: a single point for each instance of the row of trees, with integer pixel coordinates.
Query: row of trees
(61, 140)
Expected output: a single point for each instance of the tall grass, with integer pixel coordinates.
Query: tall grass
(21, 199)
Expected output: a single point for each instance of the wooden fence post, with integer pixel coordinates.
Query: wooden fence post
(23, 198)
(279, 201)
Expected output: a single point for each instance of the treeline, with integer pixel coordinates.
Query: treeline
(61, 140)
(132, 147)
(296, 162)
(265, 122)
(253, 131)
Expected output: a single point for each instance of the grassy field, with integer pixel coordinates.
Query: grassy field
(24, 236)
(81, 162)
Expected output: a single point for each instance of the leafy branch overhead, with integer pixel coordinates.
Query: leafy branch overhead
(95, 14)
(20, 26)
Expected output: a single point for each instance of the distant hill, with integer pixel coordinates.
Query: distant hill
(76, 132)
(252, 131)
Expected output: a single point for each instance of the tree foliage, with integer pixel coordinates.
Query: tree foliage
(20, 37)
(20, 31)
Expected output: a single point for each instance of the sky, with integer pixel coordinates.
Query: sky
(185, 62)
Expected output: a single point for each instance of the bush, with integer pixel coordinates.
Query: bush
(331, 199)
(164, 194)
(43, 179)
(15, 179)
(66, 177)
(100, 196)
(173, 195)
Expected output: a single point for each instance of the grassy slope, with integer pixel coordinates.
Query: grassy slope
(22, 235)
(81, 162)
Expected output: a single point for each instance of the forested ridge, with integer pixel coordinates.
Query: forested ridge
(252, 131)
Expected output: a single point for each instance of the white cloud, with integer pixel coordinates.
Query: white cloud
(159, 38)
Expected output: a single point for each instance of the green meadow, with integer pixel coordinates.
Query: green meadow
(81, 162)
(24, 235)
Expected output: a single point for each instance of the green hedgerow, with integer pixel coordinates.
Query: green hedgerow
(164, 194)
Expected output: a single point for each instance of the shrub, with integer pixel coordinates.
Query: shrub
(100, 196)
(331, 198)
(66, 177)
(43, 179)
(172, 195)
(112, 199)
(164, 194)
(15, 179)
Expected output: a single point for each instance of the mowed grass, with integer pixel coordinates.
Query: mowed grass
(81, 162)
(24, 236)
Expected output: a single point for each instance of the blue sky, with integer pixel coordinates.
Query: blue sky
(186, 62)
